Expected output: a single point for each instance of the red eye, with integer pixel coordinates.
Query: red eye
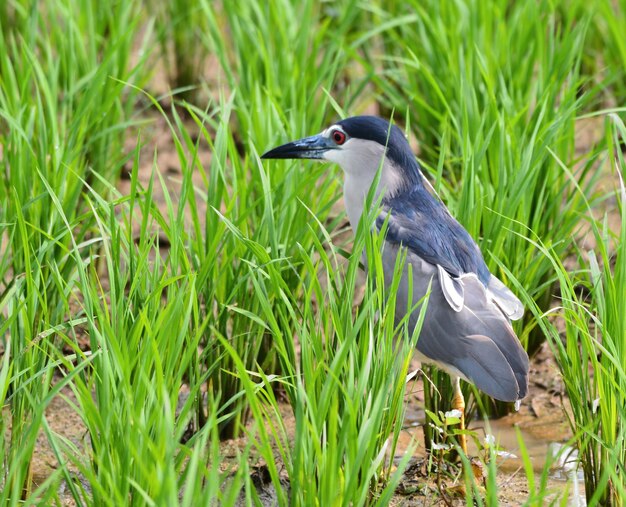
(338, 136)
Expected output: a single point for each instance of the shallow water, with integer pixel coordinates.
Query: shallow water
(544, 439)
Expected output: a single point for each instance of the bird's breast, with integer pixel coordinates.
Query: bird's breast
(354, 194)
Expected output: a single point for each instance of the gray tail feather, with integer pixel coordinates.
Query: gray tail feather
(491, 345)
(505, 340)
(488, 367)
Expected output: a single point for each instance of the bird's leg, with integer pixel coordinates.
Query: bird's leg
(458, 403)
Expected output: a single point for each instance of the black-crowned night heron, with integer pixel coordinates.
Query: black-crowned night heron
(466, 330)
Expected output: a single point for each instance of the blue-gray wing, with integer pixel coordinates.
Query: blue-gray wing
(435, 236)
(466, 329)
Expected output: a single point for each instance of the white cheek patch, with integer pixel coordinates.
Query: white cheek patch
(337, 156)
(357, 157)
(360, 160)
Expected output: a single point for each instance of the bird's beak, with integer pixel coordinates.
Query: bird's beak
(312, 147)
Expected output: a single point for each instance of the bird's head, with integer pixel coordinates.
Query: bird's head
(360, 145)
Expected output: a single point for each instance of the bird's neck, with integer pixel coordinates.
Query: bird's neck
(356, 188)
(354, 194)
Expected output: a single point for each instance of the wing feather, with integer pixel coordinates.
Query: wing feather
(466, 329)
(452, 289)
(508, 302)
(476, 341)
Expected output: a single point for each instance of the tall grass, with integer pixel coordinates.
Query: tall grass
(346, 388)
(606, 48)
(591, 354)
(180, 26)
(281, 71)
(276, 218)
(61, 116)
(146, 327)
(269, 102)
(203, 311)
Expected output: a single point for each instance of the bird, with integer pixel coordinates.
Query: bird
(466, 329)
